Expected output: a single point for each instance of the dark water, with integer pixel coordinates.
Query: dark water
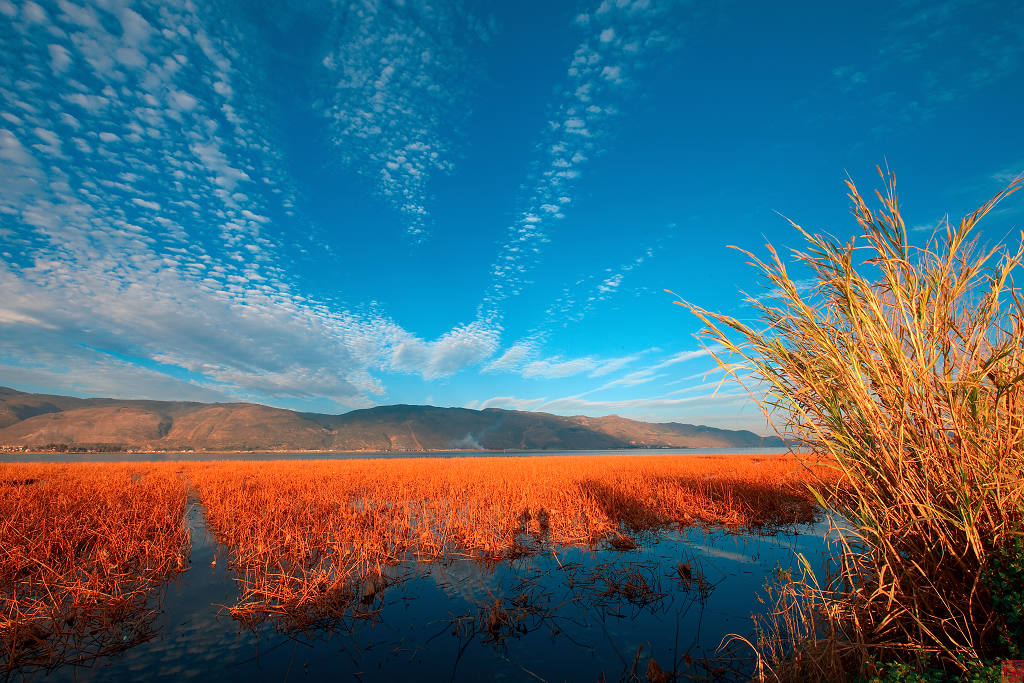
(573, 614)
(187, 456)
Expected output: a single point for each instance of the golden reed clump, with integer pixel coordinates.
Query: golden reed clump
(903, 366)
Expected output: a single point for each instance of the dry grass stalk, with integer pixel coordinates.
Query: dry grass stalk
(81, 548)
(308, 535)
(905, 367)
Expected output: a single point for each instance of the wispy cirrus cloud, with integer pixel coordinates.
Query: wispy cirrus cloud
(582, 296)
(653, 372)
(525, 359)
(1009, 174)
(525, 356)
(653, 408)
(399, 72)
(511, 403)
(579, 405)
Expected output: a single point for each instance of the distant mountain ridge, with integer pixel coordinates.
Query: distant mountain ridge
(39, 420)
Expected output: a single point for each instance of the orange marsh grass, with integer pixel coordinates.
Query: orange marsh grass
(904, 367)
(303, 534)
(81, 548)
(82, 545)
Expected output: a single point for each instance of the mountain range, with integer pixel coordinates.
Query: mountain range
(51, 422)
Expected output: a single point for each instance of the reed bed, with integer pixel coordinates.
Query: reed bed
(310, 539)
(82, 546)
(314, 544)
(903, 366)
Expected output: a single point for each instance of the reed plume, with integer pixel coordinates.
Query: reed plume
(903, 367)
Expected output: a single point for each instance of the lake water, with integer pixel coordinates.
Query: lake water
(188, 456)
(569, 614)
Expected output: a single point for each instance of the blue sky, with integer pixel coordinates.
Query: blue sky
(329, 205)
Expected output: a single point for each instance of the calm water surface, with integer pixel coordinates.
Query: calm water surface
(148, 457)
(575, 614)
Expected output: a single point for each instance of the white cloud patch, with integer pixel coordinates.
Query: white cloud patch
(514, 358)
(60, 58)
(653, 409)
(524, 358)
(456, 349)
(929, 227)
(684, 356)
(554, 368)
(652, 372)
(91, 374)
(8, 317)
(1009, 174)
(576, 406)
(582, 296)
(33, 13)
(511, 403)
(610, 365)
(631, 380)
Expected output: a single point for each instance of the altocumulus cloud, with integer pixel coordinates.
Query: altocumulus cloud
(620, 40)
(622, 37)
(398, 80)
(140, 192)
(134, 205)
(465, 345)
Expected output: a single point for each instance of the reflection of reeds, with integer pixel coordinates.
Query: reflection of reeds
(904, 367)
(308, 534)
(81, 548)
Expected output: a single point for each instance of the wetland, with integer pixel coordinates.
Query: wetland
(542, 568)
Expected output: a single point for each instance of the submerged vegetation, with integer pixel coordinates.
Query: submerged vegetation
(314, 543)
(904, 367)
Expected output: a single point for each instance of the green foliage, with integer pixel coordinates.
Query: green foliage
(1004, 579)
(974, 672)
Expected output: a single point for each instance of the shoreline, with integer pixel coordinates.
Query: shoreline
(341, 451)
(242, 456)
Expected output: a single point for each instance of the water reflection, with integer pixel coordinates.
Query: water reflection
(72, 635)
(567, 614)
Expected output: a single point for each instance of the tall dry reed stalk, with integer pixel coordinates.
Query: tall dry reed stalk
(904, 366)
